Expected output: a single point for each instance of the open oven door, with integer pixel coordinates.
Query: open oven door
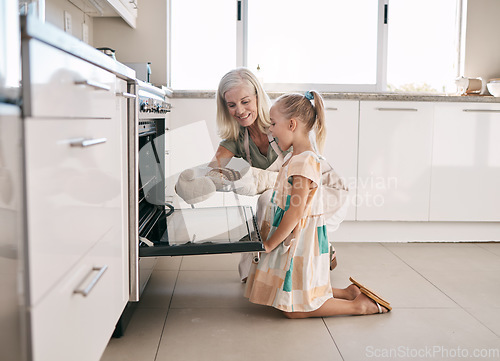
(205, 231)
(165, 231)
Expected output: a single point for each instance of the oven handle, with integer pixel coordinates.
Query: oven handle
(133, 183)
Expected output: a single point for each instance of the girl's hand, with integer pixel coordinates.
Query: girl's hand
(300, 190)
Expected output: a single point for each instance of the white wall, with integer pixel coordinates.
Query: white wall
(146, 43)
(54, 14)
(482, 48)
(188, 111)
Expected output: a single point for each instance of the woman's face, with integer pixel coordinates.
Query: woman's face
(241, 102)
(280, 128)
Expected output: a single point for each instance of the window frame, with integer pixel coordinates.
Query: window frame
(381, 72)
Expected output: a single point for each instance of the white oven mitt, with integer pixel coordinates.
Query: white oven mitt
(200, 183)
(255, 181)
(193, 186)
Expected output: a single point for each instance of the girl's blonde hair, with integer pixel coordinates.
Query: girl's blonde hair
(309, 109)
(227, 126)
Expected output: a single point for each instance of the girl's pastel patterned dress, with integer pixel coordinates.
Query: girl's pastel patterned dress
(295, 276)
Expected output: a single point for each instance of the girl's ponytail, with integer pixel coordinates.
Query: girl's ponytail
(320, 122)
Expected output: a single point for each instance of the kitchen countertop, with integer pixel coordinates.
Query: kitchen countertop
(53, 36)
(207, 94)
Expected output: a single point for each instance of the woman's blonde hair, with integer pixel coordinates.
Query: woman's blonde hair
(309, 109)
(227, 126)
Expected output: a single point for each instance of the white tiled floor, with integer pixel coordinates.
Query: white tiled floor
(446, 299)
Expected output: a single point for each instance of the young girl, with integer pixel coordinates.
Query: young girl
(294, 273)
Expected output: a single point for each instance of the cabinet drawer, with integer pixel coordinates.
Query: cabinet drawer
(68, 323)
(74, 193)
(62, 85)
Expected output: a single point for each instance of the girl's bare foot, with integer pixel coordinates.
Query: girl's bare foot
(353, 291)
(348, 293)
(367, 306)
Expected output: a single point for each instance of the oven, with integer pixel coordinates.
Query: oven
(156, 228)
(163, 230)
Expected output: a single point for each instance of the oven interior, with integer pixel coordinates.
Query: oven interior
(165, 231)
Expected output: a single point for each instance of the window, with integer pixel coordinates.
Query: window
(321, 42)
(423, 47)
(203, 42)
(328, 45)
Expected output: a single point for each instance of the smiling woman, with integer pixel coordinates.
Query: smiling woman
(243, 120)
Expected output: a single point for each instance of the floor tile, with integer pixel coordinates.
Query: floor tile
(446, 256)
(491, 246)
(168, 263)
(394, 280)
(141, 338)
(243, 334)
(404, 289)
(488, 316)
(159, 290)
(410, 334)
(468, 289)
(367, 257)
(209, 289)
(211, 262)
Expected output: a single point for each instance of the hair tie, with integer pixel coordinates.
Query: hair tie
(309, 95)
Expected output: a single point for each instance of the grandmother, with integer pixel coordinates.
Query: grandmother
(243, 120)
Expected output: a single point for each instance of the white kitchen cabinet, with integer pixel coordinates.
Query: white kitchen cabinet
(126, 9)
(76, 186)
(341, 145)
(394, 165)
(466, 162)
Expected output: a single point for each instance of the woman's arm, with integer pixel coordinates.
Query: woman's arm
(300, 191)
(221, 158)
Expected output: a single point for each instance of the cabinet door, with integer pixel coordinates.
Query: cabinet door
(466, 163)
(394, 166)
(74, 193)
(341, 145)
(76, 319)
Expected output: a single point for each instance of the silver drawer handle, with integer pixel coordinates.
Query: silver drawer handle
(397, 109)
(86, 291)
(126, 95)
(482, 110)
(82, 142)
(93, 84)
(330, 108)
